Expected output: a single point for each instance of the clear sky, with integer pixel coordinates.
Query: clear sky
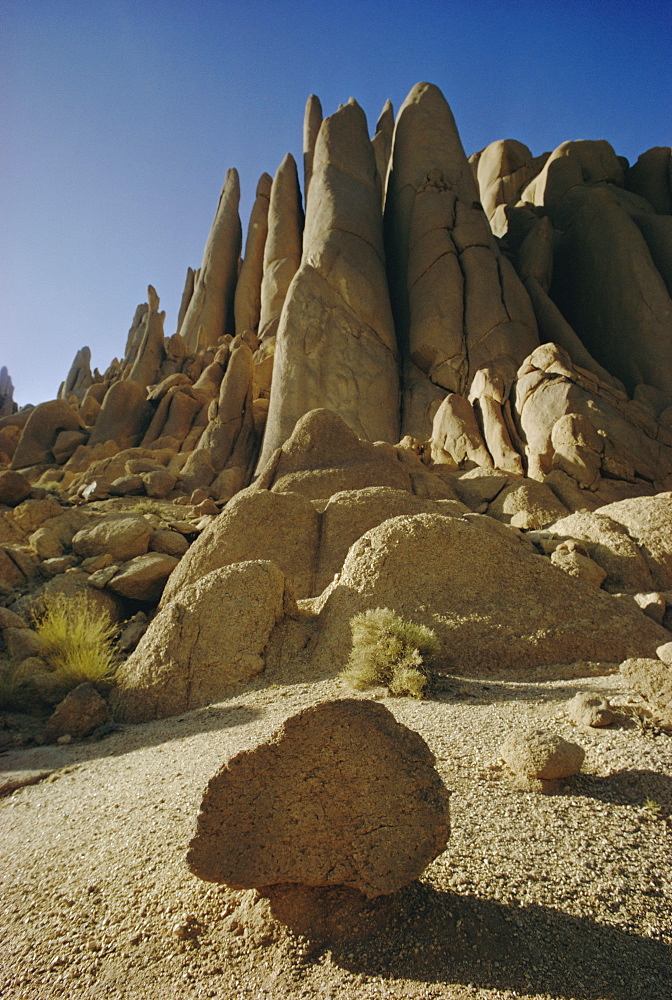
(119, 119)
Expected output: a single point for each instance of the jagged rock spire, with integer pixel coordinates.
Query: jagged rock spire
(311, 126)
(336, 345)
(247, 301)
(209, 312)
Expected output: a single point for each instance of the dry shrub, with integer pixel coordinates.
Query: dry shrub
(77, 639)
(390, 651)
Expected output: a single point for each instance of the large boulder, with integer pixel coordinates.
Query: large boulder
(144, 577)
(43, 426)
(341, 795)
(14, 488)
(631, 540)
(351, 513)
(493, 603)
(652, 679)
(203, 643)
(648, 521)
(282, 527)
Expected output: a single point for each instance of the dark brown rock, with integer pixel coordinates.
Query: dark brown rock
(80, 712)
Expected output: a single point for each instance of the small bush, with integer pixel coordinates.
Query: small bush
(147, 507)
(390, 651)
(77, 640)
(53, 487)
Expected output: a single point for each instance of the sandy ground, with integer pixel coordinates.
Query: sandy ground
(563, 896)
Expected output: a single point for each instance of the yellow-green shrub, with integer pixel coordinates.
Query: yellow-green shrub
(77, 639)
(387, 650)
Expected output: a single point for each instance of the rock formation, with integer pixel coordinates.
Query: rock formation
(336, 345)
(449, 394)
(209, 313)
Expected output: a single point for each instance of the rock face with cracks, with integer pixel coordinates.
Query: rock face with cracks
(343, 795)
(210, 638)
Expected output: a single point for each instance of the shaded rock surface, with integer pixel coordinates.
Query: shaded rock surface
(494, 605)
(210, 637)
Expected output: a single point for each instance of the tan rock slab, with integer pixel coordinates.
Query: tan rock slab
(123, 536)
(208, 639)
(144, 577)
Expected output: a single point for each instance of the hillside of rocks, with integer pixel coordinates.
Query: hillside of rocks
(479, 347)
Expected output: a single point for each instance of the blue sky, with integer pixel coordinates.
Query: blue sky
(120, 117)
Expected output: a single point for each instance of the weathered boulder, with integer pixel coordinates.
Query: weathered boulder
(652, 679)
(336, 345)
(609, 545)
(628, 440)
(526, 504)
(351, 513)
(456, 436)
(503, 169)
(208, 639)
(81, 711)
(341, 795)
(493, 603)
(124, 416)
(590, 709)
(648, 521)
(168, 541)
(572, 561)
(123, 536)
(30, 514)
(281, 527)
(324, 456)
(54, 536)
(538, 755)
(651, 177)
(43, 426)
(143, 577)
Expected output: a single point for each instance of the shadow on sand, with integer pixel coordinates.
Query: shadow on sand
(442, 937)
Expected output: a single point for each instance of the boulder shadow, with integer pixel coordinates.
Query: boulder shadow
(628, 787)
(442, 937)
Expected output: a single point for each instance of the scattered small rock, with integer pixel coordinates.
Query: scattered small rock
(541, 759)
(589, 709)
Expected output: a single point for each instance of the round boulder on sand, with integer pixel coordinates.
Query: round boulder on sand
(211, 637)
(342, 795)
(537, 755)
